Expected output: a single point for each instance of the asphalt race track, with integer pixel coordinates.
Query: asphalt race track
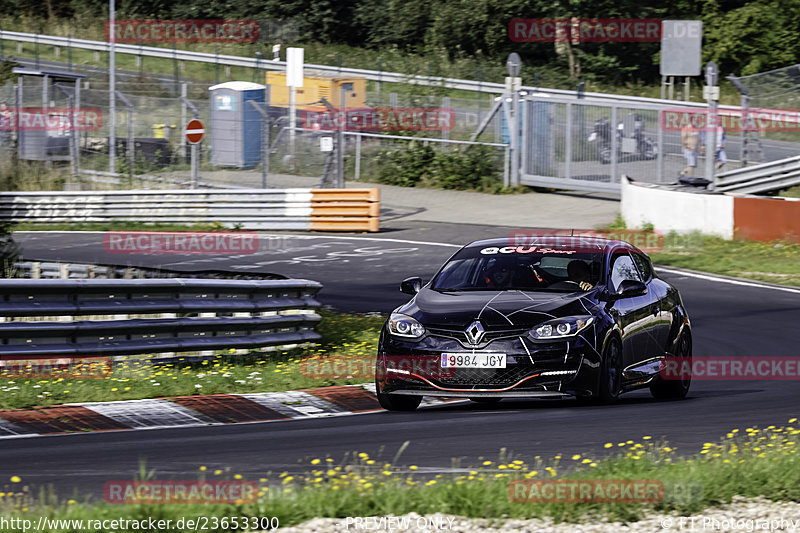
(362, 274)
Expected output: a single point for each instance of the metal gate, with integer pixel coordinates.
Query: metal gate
(587, 144)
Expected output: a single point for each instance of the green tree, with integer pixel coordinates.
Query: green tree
(755, 37)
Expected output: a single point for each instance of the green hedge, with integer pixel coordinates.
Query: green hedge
(417, 164)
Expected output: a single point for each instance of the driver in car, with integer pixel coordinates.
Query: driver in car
(500, 274)
(579, 272)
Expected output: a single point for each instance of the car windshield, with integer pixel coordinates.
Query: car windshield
(524, 268)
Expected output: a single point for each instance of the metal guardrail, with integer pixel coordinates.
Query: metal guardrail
(289, 209)
(373, 75)
(56, 270)
(764, 177)
(92, 317)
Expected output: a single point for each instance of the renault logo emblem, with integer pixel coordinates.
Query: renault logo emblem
(475, 332)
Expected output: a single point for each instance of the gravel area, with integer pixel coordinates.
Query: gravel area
(741, 515)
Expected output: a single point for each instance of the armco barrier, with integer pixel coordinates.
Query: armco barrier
(50, 270)
(90, 317)
(726, 215)
(266, 209)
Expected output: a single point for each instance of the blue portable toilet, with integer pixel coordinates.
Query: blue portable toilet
(235, 124)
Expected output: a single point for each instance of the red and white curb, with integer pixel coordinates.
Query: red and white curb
(185, 411)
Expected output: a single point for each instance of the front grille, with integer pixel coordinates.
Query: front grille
(489, 336)
(486, 377)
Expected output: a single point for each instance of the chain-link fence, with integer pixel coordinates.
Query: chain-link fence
(770, 94)
(149, 137)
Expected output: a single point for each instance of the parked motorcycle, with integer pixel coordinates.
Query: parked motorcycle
(630, 139)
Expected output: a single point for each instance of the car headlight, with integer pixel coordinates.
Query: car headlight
(561, 328)
(405, 326)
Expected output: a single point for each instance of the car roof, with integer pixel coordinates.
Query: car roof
(585, 242)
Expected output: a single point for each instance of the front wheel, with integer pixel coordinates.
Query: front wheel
(676, 389)
(610, 373)
(396, 402)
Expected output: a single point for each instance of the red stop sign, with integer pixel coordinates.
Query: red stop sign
(194, 131)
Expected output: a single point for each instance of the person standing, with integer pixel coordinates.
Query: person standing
(721, 156)
(690, 140)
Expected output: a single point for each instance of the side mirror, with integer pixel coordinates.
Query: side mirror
(411, 285)
(629, 288)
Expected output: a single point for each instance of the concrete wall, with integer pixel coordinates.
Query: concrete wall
(767, 219)
(683, 212)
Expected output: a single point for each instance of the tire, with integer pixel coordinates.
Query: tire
(397, 402)
(649, 150)
(486, 401)
(668, 389)
(610, 374)
(604, 154)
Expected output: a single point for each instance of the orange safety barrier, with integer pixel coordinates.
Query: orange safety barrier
(345, 209)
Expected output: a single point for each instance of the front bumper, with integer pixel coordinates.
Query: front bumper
(533, 369)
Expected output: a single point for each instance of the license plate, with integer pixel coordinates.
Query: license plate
(473, 360)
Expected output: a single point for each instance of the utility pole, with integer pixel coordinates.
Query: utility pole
(112, 91)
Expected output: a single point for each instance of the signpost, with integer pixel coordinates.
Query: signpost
(294, 79)
(513, 85)
(194, 132)
(681, 43)
(712, 95)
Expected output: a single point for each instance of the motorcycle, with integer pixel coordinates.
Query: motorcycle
(630, 139)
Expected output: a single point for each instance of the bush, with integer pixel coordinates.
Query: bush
(473, 168)
(407, 166)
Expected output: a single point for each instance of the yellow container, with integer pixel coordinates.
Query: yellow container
(315, 88)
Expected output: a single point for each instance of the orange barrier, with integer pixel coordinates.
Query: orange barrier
(766, 219)
(345, 209)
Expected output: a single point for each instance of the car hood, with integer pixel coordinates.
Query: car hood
(495, 309)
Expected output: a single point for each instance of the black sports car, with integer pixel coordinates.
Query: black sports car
(560, 316)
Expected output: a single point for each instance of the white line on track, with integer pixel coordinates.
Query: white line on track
(711, 277)
(688, 273)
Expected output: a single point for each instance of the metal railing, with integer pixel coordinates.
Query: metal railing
(765, 177)
(92, 317)
(56, 270)
(372, 75)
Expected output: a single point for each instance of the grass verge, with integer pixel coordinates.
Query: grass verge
(774, 262)
(347, 337)
(750, 463)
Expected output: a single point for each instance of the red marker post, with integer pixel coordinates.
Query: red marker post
(194, 132)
